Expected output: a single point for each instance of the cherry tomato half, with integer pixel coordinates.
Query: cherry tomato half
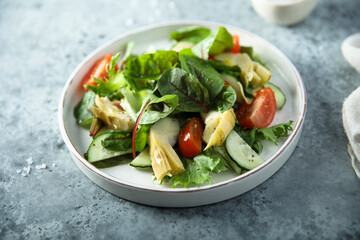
(99, 70)
(260, 113)
(189, 141)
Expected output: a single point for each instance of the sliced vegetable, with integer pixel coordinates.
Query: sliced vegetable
(142, 160)
(217, 127)
(190, 143)
(182, 45)
(241, 152)
(260, 113)
(168, 129)
(236, 44)
(279, 95)
(233, 164)
(97, 152)
(164, 160)
(98, 70)
(111, 115)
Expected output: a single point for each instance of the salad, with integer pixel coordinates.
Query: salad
(202, 107)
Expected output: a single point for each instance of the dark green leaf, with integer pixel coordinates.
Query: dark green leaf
(191, 34)
(82, 111)
(217, 42)
(193, 96)
(205, 74)
(157, 108)
(150, 66)
(225, 99)
(117, 141)
(141, 137)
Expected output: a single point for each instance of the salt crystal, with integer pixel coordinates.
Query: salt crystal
(18, 171)
(43, 166)
(28, 169)
(24, 174)
(38, 166)
(25, 169)
(54, 164)
(29, 161)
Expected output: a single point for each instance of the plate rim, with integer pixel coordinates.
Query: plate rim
(102, 174)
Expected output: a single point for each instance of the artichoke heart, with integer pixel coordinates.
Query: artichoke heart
(251, 72)
(164, 159)
(115, 118)
(217, 127)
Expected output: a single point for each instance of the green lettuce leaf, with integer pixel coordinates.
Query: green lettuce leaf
(157, 108)
(255, 135)
(82, 111)
(198, 171)
(113, 82)
(117, 141)
(193, 96)
(205, 74)
(217, 42)
(225, 99)
(150, 66)
(192, 34)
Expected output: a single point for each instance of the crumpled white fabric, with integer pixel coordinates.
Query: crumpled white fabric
(351, 122)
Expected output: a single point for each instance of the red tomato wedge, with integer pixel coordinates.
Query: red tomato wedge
(98, 70)
(236, 44)
(260, 113)
(189, 141)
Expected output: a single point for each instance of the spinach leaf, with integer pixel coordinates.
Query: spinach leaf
(255, 135)
(157, 108)
(141, 137)
(117, 141)
(225, 99)
(217, 42)
(222, 68)
(82, 111)
(205, 74)
(150, 66)
(193, 96)
(192, 34)
(198, 171)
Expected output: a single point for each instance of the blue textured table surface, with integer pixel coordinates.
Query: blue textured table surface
(315, 195)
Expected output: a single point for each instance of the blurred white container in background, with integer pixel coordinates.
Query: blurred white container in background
(350, 49)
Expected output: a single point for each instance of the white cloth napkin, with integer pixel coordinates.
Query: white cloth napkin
(351, 121)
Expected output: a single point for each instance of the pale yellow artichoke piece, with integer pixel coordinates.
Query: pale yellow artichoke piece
(262, 72)
(182, 45)
(217, 127)
(115, 118)
(237, 86)
(164, 160)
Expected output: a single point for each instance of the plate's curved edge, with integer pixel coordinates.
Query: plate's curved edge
(78, 156)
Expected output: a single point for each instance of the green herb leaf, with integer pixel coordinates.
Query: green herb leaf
(82, 111)
(205, 74)
(157, 108)
(225, 99)
(198, 171)
(117, 141)
(192, 34)
(141, 137)
(150, 66)
(217, 42)
(193, 96)
(255, 135)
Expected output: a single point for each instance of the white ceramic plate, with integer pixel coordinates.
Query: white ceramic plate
(136, 185)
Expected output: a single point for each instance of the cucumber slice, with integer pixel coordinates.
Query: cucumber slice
(279, 95)
(222, 151)
(241, 152)
(142, 160)
(97, 152)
